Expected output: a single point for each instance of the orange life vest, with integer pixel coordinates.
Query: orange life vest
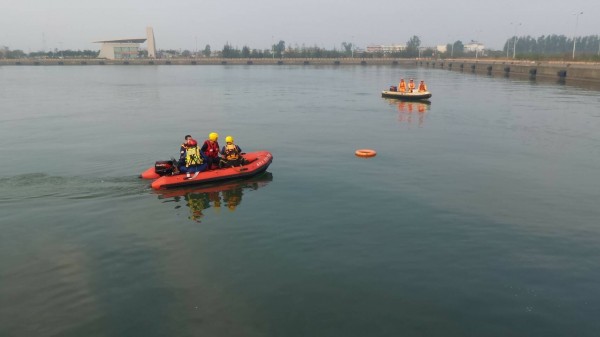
(402, 86)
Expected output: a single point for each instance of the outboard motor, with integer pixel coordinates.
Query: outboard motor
(164, 167)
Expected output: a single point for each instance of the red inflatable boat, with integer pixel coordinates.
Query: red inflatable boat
(256, 162)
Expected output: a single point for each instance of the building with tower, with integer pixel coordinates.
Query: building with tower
(122, 49)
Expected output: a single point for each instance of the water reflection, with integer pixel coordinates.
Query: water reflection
(407, 110)
(228, 195)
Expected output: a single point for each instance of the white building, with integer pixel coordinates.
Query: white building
(127, 48)
(385, 49)
(474, 46)
(120, 49)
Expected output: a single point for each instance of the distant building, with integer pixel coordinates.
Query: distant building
(120, 49)
(442, 48)
(474, 46)
(385, 49)
(123, 49)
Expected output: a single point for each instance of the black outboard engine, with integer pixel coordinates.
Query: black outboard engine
(164, 167)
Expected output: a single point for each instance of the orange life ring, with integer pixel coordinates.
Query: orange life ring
(365, 153)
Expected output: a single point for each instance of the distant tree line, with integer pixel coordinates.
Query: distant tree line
(6, 53)
(552, 45)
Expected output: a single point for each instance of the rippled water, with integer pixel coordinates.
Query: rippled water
(478, 216)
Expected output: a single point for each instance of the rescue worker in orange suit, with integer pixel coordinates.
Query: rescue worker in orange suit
(210, 149)
(422, 87)
(232, 154)
(194, 159)
(411, 85)
(402, 86)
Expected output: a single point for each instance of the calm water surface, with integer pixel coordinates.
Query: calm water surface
(478, 217)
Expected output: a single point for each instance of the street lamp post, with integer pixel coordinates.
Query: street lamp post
(477, 44)
(575, 34)
(515, 40)
(452, 52)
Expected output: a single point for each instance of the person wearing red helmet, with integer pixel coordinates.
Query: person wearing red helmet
(194, 160)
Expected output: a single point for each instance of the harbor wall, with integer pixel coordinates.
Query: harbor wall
(581, 71)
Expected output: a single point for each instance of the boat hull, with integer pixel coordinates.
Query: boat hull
(408, 96)
(258, 162)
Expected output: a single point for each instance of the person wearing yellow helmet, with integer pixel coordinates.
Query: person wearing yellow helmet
(231, 154)
(210, 149)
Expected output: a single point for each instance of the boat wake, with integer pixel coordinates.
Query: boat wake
(41, 185)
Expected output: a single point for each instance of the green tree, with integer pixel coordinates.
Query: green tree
(459, 48)
(228, 50)
(412, 46)
(246, 51)
(348, 46)
(206, 51)
(15, 54)
(279, 48)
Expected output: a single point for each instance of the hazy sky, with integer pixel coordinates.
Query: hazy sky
(31, 25)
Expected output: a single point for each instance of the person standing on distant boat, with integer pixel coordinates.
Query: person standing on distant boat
(194, 159)
(402, 85)
(231, 154)
(411, 85)
(210, 149)
(422, 87)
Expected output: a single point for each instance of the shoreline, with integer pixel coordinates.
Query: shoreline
(559, 70)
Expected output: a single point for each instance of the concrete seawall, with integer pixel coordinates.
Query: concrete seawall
(212, 61)
(580, 71)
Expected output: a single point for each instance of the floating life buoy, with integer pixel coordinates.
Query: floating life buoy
(365, 153)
